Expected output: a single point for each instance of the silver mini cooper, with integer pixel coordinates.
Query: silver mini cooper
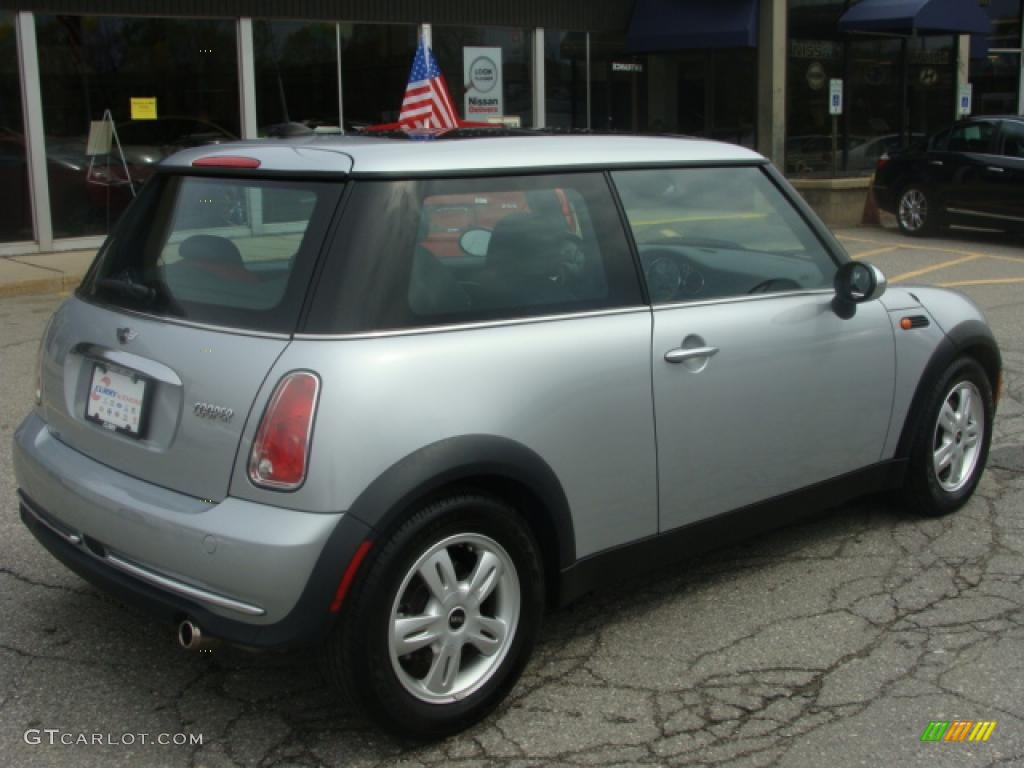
(393, 397)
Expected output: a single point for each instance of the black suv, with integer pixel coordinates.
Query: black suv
(971, 173)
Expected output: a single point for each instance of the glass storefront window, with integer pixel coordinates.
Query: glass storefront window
(1005, 15)
(876, 72)
(734, 83)
(183, 77)
(931, 83)
(565, 78)
(618, 85)
(516, 85)
(296, 66)
(812, 63)
(874, 94)
(16, 212)
(996, 69)
(375, 63)
(707, 93)
(996, 80)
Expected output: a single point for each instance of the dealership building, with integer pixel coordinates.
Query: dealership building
(94, 92)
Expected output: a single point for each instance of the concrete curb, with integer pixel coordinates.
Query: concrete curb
(41, 273)
(60, 284)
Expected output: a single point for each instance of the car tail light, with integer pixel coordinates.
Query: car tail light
(280, 452)
(882, 162)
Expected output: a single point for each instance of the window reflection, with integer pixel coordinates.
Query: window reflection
(90, 64)
(565, 74)
(296, 77)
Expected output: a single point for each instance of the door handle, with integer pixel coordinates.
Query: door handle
(995, 169)
(936, 162)
(679, 354)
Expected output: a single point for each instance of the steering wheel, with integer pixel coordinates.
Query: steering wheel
(776, 284)
(669, 275)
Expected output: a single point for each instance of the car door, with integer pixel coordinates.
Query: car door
(963, 167)
(760, 388)
(1004, 177)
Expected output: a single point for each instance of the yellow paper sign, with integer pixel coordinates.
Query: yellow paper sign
(143, 108)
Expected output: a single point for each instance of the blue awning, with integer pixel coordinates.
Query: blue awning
(922, 17)
(674, 25)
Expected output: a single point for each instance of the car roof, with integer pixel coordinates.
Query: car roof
(378, 155)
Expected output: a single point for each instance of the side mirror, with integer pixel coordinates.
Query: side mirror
(855, 283)
(475, 241)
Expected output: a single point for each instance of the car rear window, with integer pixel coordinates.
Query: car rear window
(431, 252)
(220, 251)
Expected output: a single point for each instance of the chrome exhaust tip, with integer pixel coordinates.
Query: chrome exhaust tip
(191, 637)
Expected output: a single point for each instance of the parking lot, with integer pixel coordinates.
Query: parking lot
(830, 643)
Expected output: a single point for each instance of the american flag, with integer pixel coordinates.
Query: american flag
(427, 103)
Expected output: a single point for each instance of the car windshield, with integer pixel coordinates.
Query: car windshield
(215, 250)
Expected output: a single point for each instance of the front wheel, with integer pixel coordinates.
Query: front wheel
(949, 451)
(916, 212)
(445, 620)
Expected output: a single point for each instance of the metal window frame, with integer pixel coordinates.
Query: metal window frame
(540, 118)
(34, 131)
(246, 78)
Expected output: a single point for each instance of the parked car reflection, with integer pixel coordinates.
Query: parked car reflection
(88, 194)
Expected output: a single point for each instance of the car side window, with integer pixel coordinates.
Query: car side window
(940, 141)
(451, 251)
(712, 233)
(1011, 142)
(971, 137)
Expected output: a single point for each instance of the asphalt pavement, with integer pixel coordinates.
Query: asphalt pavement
(830, 643)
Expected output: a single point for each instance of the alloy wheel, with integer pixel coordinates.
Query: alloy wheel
(913, 211)
(958, 437)
(454, 618)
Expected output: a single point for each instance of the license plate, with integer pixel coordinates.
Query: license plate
(117, 401)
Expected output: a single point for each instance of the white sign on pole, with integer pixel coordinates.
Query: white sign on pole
(835, 97)
(964, 102)
(484, 84)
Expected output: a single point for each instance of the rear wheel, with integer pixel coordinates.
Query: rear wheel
(949, 451)
(445, 619)
(916, 212)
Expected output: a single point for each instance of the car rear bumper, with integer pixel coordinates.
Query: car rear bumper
(250, 573)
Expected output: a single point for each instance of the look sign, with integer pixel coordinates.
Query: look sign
(484, 85)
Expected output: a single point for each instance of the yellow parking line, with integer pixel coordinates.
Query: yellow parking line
(993, 281)
(933, 249)
(875, 252)
(1011, 259)
(857, 239)
(935, 267)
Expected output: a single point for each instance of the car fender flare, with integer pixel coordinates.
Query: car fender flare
(399, 489)
(967, 335)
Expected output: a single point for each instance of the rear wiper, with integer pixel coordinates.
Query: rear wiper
(125, 286)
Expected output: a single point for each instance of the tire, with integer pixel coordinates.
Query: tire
(955, 424)
(479, 649)
(917, 212)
